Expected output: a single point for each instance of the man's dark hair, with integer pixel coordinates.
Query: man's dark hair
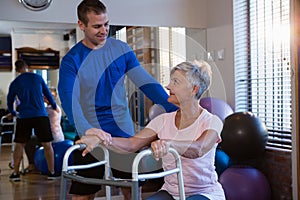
(20, 64)
(87, 6)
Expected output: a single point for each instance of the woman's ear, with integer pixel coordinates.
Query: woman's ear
(195, 89)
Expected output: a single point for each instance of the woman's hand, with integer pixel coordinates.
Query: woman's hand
(93, 137)
(160, 148)
(9, 116)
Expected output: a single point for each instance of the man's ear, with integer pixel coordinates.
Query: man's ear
(80, 25)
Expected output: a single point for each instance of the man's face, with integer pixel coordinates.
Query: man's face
(97, 29)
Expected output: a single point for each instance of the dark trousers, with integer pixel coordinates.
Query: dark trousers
(164, 195)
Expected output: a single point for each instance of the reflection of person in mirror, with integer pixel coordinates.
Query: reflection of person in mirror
(57, 133)
(92, 91)
(30, 90)
(55, 118)
(191, 130)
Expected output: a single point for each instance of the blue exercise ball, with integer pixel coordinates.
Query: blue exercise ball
(245, 183)
(216, 106)
(222, 161)
(59, 149)
(40, 161)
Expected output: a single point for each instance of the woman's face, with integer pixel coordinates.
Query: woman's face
(180, 89)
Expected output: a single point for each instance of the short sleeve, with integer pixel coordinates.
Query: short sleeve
(157, 123)
(217, 125)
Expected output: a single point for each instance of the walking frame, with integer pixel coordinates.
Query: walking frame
(68, 173)
(12, 123)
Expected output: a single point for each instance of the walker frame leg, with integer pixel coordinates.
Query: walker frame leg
(109, 181)
(63, 188)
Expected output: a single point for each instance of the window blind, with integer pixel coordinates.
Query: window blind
(172, 50)
(262, 65)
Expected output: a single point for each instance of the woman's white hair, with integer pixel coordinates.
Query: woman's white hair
(198, 73)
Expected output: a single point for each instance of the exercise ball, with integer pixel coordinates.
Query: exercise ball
(216, 106)
(244, 136)
(59, 149)
(245, 183)
(155, 110)
(222, 161)
(40, 161)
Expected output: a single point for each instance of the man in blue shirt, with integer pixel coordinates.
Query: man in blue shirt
(92, 90)
(30, 90)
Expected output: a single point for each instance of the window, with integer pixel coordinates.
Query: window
(262, 65)
(172, 51)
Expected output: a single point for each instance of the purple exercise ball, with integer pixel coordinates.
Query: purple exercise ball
(245, 183)
(216, 106)
(155, 110)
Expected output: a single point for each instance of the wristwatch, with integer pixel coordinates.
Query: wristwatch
(36, 5)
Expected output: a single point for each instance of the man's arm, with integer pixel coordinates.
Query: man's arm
(67, 76)
(48, 95)
(134, 143)
(118, 144)
(151, 88)
(10, 100)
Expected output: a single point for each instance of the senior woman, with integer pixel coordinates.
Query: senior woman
(191, 130)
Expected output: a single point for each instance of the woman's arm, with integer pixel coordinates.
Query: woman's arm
(188, 149)
(94, 137)
(135, 143)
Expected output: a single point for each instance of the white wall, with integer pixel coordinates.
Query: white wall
(215, 15)
(60, 11)
(178, 13)
(5, 79)
(220, 37)
(191, 13)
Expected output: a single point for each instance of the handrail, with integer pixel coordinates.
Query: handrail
(7, 123)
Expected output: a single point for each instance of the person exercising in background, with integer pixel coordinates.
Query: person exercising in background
(57, 133)
(30, 90)
(92, 91)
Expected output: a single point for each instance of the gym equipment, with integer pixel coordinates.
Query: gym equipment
(244, 136)
(222, 161)
(155, 110)
(216, 106)
(68, 173)
(5, 122)
(59, 149)
(245, 183)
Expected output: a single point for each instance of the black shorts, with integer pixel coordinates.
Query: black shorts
(96, 172)
(40, 125)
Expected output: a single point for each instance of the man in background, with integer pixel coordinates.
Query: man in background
(30, 90)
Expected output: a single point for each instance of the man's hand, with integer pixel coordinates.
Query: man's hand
(93, 137)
